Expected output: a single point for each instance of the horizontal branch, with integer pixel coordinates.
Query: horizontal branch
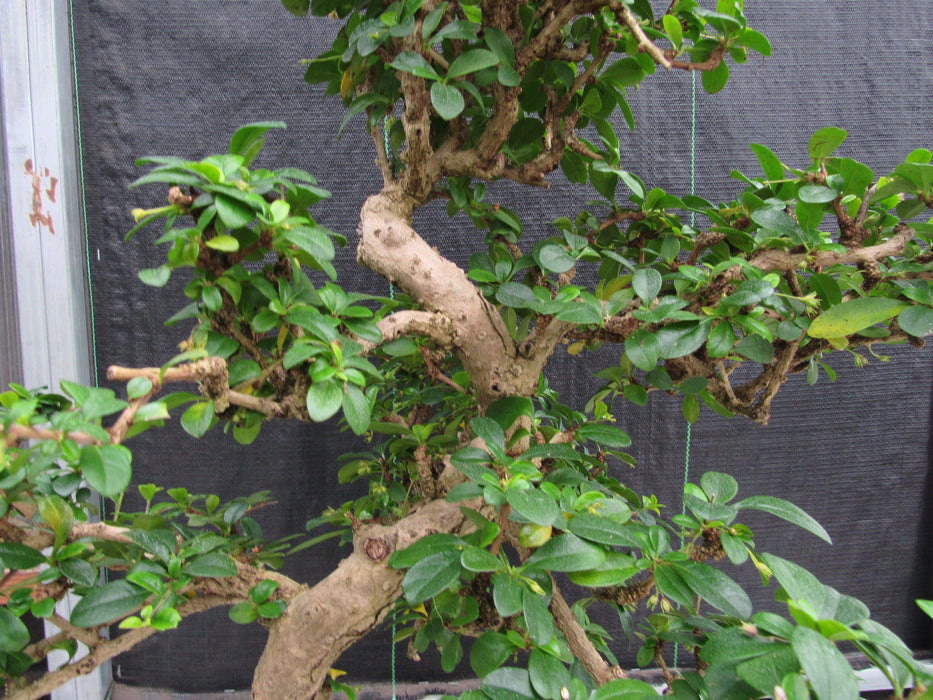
(769, 260)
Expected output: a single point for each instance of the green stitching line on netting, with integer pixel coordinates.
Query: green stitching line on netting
(87, 247)
(693, 162)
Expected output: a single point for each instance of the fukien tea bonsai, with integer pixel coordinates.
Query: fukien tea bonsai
(492, 518)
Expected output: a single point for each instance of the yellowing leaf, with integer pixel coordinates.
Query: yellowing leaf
(335, 674)
(852, 316)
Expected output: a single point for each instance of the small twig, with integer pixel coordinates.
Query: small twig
(644, 43)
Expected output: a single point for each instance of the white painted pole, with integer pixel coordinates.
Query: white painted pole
(43, 179)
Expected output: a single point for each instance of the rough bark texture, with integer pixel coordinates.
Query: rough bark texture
(342, 608)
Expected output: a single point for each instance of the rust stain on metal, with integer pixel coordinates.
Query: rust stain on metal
(38, 216)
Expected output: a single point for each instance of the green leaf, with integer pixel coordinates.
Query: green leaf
(324, 399)
(644, 349)
(447, 100)
(674, 30)
(431, 575)
(825, 141)
(566, 553)
(489, 652)
(829, 673)
(356, 409)
(604, 530)
(647, 283)
(750, 291)
(243, 613)
(16, 556)
(506, 595)
(79, 571)
(156, 276)
(226, 244)
(107, 468)
(248, 139)
(826, 288)
(816, 194)
(198, 418)
(716, 79)
(516, 295)
(603, 434)
(470, 62)
(538, 618)
(233, 212)
(852, 316)
(721, 339)
(533, 504)
(770, 164)
(508, 683)
(756, 349)
(477, 559)
(756, 41)
(780, 222)
(415, 63)
(507, 410)
(720, 487)
(716, 588)
(682, 338)
(491, 434)
(625, 72)
(786, 511)
(916, 320)
(624, 689)
(425, 547)
(765, 672)
(548, 674)
(554, 258)
(13, 633)
(107, 603)
(211, 565)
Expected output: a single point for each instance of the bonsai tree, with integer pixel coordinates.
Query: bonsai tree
(493, 517)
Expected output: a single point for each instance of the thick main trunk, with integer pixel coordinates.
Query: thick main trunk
(322, 622)
(389, 245)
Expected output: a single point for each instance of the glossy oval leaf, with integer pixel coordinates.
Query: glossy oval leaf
(107, 603)
(107, 468)
(916, 321)
(508, 683)
(447, 100)
(852, 316)
(533, 504)
(786, 511)
(233, 212)
(716, 588)
(566, 553)
(470, 62)
(605, 531)
(647, 283)
(830, 675)
(431, 575)
(16, 556)
(324, 399)
(13, 633)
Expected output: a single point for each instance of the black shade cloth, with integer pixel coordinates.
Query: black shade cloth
(177, 78)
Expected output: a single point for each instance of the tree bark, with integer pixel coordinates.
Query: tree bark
(322, 622)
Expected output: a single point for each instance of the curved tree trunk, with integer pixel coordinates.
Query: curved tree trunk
(322, 622)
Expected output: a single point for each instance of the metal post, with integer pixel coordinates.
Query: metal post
(44, 195)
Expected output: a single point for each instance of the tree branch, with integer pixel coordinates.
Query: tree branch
(580, 645)
(344, 607)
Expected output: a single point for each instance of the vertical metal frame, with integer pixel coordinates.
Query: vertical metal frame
(42, 182)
